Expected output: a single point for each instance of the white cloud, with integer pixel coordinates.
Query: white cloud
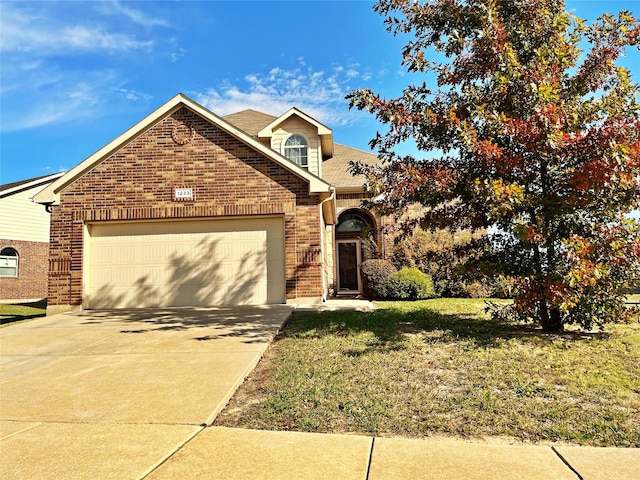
(74, 103)
(66, 100)
(136, 16)
(36, 33)
(230, 99)
(92, 39)
(53, 67)
(59, 169)
(15, 77)
(318, 93)
(176, 52)
(30, 65)
(133, 95)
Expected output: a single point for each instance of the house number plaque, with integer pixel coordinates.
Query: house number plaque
(183, 194)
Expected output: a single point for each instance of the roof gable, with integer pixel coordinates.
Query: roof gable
(50, 195)
(268, 130)
(335, 169)
(324, 133)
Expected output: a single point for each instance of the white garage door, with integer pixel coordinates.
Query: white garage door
(185, 263)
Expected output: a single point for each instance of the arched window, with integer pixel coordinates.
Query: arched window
(296, 150)
(351, 222)
(8, 262)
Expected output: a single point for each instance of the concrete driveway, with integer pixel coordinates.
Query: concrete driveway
(112, 394)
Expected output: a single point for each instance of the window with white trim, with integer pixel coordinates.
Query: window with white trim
(9, 262)
(296, 149)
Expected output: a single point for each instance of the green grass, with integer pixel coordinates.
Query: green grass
(443, 367)
(10, 314)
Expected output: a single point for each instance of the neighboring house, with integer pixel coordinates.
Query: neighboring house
(188, 208)
(24, 241)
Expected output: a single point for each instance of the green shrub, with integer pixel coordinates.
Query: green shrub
(450, 288)
(431, 252)
(441, 254)
(477, 289)
(408, 284)
(374, 275)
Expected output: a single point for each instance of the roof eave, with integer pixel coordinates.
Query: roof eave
(26, 186)
(267, 131)
(350, 189)
(51, 194)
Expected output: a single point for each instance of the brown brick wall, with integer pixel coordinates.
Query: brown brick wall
(354, 200)
(228, 179)
(31, 282)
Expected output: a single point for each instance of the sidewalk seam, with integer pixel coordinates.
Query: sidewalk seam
(22, 430)
(566, 462)
(373, 440)
(171, 454)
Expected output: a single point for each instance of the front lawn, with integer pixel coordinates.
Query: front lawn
(10, 314)
(443, 367)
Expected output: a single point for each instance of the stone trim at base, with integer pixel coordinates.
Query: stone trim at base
(57, 309)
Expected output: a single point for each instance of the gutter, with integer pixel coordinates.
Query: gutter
(322, 236)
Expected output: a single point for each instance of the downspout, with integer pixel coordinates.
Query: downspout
(322, 236)
(383, 248)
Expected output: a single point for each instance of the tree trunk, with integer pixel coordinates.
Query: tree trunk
(551, 319)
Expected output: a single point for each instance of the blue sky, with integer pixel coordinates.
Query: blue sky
(75, 75)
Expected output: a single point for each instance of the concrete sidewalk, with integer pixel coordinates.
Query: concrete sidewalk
(128, 395)
(156, 452)
(226, 453)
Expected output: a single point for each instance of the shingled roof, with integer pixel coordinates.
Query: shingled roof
(250, 121)
(335, 170)
(16, 187)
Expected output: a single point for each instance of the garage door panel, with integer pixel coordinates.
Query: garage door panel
(186, 263)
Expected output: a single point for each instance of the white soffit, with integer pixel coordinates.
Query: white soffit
(324, 132)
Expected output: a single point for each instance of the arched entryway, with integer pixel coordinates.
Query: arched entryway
(353, 228)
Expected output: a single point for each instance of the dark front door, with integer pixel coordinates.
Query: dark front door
(348, 263)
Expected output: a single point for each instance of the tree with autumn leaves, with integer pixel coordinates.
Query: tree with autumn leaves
(538, 138)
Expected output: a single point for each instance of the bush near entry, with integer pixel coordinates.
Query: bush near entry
(374, 275)
(442, 254)
(409, 284)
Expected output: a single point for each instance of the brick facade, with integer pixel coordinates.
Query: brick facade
(349, 201)
(31, 282)
(228, 179)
